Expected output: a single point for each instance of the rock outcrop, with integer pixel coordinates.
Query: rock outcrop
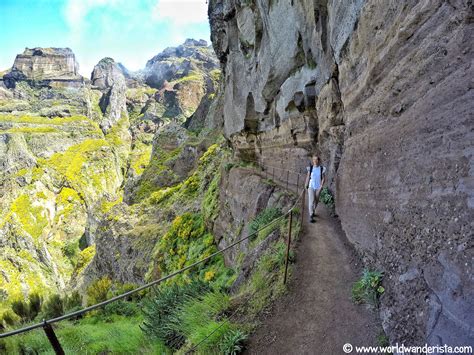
(384, 93)
(129, 246)
(174, 83)
(190, 58)
(171, 160)
(108, 77)
(185, 96)
(244, 194)
(45, 66)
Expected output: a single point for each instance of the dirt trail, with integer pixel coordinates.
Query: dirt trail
(317, 315)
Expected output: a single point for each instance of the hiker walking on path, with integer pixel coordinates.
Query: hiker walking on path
(314, 183)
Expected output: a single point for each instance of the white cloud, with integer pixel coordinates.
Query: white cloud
(77, 10)
(130, 31)
(181, 12)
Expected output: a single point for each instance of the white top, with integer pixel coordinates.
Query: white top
(315, 180)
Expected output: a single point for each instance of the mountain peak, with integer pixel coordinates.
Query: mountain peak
(195, 43)
(44, 65)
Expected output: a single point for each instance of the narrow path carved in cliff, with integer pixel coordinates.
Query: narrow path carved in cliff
(317, 315)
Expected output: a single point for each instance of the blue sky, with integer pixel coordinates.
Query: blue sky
(130, 31)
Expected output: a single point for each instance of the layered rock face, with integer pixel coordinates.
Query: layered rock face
(383, 92)
(45, 64)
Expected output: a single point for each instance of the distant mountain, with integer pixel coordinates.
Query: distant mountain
(71, 147)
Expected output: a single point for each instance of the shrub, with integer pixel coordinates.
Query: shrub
(210, 205)
(382, 339)
(22, 309)
(202, 323)
(35, 303)
(233, 342)
(84, 258)
(98, 290)
(53, 307)
(228, 166)
(126, 287)
(273, 260)
(70, 249)
(185, 242)
(327, 198)
(73, 302)
(8, 318)
(369, 288)
(263, 218)
(122, 308)
(160, 312)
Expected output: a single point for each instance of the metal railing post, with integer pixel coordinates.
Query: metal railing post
(288, 247)
(297, 183)
(302, 207)
(48, 329)
(287, 178)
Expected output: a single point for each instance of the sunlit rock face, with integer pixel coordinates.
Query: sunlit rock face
(108, 77)
(181, 79)
(44, 66)
(47, 63)
(382, 91)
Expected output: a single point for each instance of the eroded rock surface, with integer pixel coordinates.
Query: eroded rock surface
(45, 66)
(243, 195)
(383, 91)
(108, 77)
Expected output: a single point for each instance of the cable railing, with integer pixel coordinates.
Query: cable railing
(47, 324)
(289, 177)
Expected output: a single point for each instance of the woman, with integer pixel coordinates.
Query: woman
(314, 183)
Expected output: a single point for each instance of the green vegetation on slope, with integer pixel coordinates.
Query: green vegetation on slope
(40, 120)
(93, 335)
(49, 214)
(212, 320)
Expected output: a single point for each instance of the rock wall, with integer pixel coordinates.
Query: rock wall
(45, 66)
(47, 63)
(244, 195)
(383, 91)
